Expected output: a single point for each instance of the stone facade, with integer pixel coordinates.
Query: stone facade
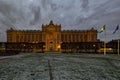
(52, 35)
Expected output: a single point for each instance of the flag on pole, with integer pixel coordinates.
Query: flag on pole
(116, 29)
(102, 29)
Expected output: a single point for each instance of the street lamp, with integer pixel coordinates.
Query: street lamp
(94, 47)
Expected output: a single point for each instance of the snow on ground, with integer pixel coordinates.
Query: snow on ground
(37, 66)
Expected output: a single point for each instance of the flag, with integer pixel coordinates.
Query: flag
(102, 29)
(116, 29)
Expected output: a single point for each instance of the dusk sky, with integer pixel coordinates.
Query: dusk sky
(71, 14)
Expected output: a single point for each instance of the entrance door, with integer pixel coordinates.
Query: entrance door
(51, 46)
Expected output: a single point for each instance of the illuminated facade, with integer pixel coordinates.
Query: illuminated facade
(52, 35)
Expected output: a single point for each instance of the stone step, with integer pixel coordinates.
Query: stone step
(52, 52)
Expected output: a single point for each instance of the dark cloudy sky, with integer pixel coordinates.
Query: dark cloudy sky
(71, 14)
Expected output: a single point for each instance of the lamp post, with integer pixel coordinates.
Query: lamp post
(94, 47)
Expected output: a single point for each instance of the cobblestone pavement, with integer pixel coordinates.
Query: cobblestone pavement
(35, 66)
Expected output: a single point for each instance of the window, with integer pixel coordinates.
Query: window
(85, 37)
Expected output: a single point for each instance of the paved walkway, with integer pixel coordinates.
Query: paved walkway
(35, 66)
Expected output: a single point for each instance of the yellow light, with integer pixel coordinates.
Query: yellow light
(58, 46)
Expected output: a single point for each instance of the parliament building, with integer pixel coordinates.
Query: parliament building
(51, 35)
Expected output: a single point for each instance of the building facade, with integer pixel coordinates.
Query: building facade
(52, 36)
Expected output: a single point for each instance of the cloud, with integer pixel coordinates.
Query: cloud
(5, 10)
(35, 10)
(72, 14)
(85, 4)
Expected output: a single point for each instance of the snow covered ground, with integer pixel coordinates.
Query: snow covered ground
(35, 66)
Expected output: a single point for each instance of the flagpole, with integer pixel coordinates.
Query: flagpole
(105, 42)
(117, 28)
(118, 44)
(118, 47)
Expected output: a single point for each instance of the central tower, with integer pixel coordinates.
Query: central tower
(51, 35)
